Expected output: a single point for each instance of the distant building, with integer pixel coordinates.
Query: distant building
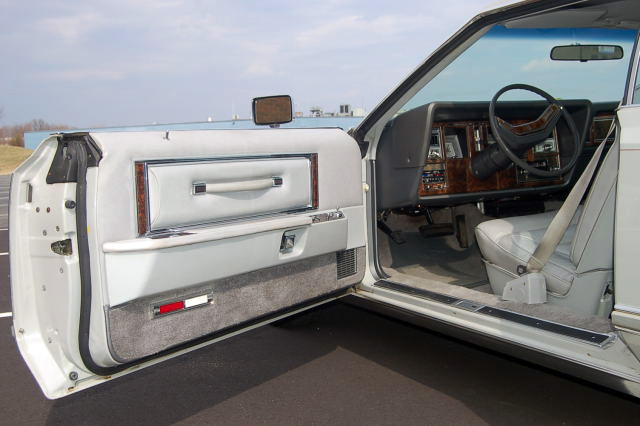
(344, 110)
(235, 117)
(358, 112)
(316, 111)
(299, 114)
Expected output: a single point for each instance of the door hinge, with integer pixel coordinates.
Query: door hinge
(62, 247)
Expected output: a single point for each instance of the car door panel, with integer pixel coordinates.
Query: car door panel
(221, 256)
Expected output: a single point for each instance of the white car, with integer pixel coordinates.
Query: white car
(464, 201)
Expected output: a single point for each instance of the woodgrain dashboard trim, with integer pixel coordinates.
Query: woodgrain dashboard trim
(458, 176)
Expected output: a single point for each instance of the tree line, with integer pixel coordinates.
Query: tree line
(14, 134)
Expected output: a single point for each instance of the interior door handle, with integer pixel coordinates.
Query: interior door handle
(236, 186)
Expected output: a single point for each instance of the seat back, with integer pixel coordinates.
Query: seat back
(592, 245)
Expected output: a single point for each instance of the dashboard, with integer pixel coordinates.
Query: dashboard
(424, 155)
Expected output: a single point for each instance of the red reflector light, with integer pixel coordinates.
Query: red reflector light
(171, 307)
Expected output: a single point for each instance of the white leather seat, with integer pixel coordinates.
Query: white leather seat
(581, 266)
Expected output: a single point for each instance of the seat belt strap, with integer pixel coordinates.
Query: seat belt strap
(562, 219)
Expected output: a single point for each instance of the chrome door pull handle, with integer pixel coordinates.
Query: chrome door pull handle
(200, 188)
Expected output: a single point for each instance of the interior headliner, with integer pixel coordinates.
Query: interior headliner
(619, 14)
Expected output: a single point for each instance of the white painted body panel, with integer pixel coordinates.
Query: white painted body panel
(46, 337)
(626, 314)
(627, 235)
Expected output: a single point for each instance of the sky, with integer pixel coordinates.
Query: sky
(91, 63)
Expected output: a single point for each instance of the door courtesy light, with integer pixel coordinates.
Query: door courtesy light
(182, 305)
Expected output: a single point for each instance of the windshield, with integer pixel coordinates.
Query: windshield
(514, 55)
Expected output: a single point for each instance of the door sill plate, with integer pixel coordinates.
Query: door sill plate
(591, 337)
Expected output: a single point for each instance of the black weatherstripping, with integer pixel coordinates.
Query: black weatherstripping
(84, 328)
(573, 332)
(75, 153)
(64, 167)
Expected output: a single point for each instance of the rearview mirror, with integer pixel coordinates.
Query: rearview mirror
(272, 110)
(586, 52)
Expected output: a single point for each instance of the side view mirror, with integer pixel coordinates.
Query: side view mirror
(586, 52)
(272, 110)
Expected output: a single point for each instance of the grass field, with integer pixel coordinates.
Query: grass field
(11, 157)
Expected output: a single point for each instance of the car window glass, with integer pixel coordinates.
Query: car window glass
(514, 55)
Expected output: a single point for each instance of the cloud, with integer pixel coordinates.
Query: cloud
(537, 65)
(356, 29)
(259, 68)
(108, 71)
(209, 52)
(92, 74)
(71, 28)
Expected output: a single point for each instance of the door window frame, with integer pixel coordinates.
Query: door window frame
(630, 97)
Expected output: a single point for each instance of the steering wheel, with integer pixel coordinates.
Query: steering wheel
(514, 140)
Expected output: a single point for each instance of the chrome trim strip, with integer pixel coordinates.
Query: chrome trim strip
(627, 308)
(326, 217)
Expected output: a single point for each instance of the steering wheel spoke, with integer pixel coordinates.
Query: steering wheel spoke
(546, 122)
(512, 141)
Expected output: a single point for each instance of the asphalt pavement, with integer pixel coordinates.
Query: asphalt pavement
(334, 365)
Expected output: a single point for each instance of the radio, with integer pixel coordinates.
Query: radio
(434, 177)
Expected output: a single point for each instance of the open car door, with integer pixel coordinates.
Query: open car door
(131, 247)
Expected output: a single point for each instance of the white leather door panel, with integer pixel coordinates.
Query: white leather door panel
(230, 189)
(148, 272)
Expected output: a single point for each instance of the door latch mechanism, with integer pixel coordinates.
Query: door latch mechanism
(62, 247)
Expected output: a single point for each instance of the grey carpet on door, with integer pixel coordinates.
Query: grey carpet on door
(135, 333)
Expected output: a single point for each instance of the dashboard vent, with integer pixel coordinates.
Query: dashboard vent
(347, 262)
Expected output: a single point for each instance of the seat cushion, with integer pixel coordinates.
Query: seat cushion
(510, 242)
